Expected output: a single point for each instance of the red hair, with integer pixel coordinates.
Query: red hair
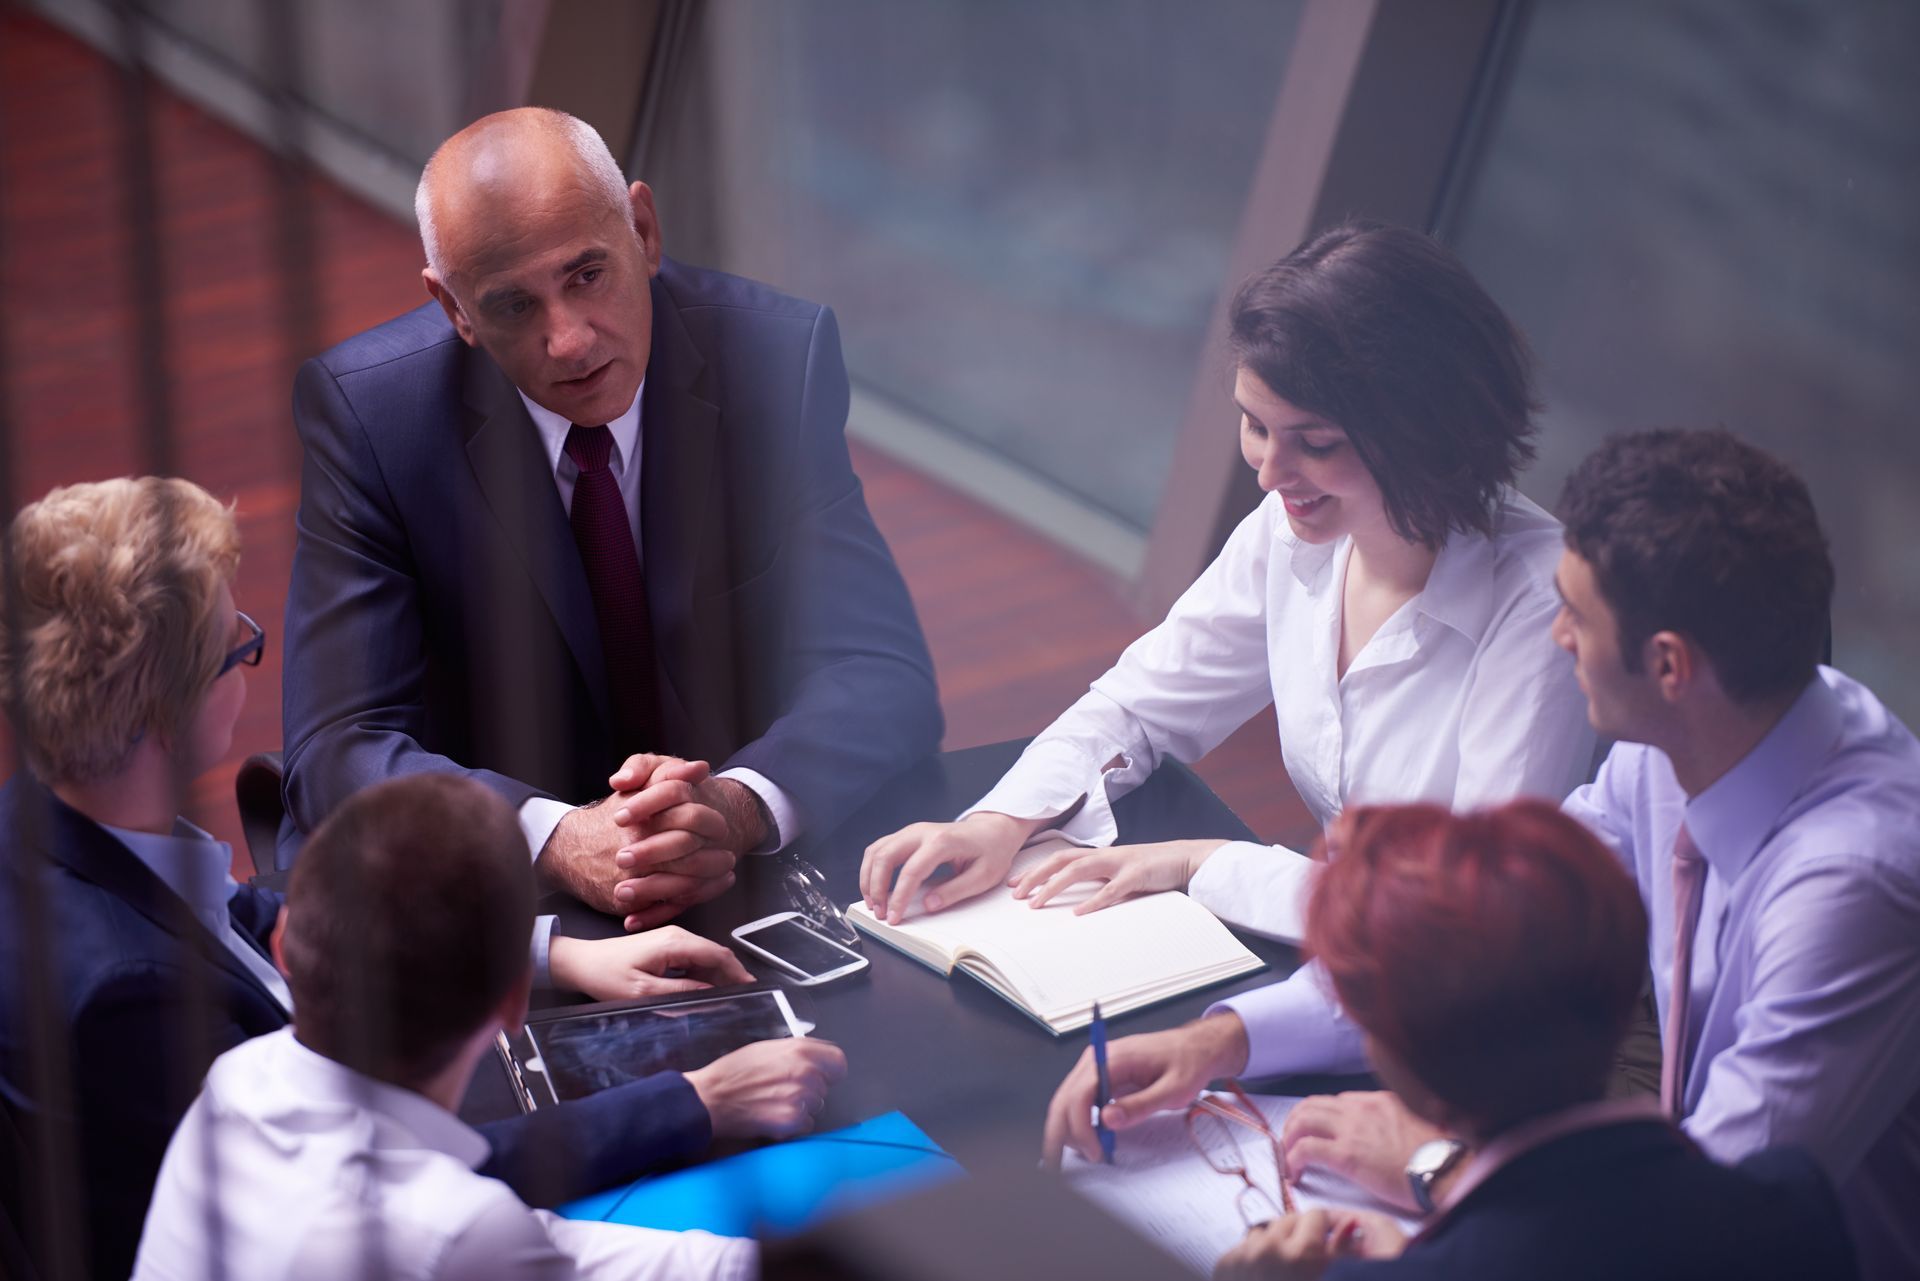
(1497, 955)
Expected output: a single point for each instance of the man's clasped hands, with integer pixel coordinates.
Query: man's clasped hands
(664, 838)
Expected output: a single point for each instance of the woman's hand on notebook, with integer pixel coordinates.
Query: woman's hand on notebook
(1127, 870)
(636, 965)
(1149, 1073)
(980, 849)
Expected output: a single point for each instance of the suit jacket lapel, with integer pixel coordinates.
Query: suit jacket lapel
(679, 521)
(92, 852)
(516, 478)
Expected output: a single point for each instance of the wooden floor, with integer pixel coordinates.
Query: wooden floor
(1018, 626)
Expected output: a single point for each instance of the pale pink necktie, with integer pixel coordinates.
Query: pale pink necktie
(1689, 876)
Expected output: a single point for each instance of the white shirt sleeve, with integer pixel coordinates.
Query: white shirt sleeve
(1177, 691)
(616, 1252)
(785, 819)
(1259, 888)
(498, 1239)
(1092, 755)
(507, 1243)
(539, 815)
(513, 1243)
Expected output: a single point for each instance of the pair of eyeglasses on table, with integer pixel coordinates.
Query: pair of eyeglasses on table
(1214, 1125)
(805, 888)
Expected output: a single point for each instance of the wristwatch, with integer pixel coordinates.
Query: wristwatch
(1429, 1161)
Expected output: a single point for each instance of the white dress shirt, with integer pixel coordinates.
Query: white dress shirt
(1805, 1004)
(199, 869)
(1461, 697)
(539, 815)
(291, 1167)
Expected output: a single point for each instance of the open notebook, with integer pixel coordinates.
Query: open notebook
(1054, 965)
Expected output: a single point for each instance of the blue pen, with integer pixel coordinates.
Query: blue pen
(1099, 1033)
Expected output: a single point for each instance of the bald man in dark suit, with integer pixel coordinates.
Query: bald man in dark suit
(590, 504)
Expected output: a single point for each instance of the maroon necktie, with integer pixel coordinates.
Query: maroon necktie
(600, 529)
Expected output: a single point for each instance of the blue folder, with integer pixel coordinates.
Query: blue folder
(785, 1188)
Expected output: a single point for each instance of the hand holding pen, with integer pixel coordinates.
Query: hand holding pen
(1143, 1074)
(1104, 1084)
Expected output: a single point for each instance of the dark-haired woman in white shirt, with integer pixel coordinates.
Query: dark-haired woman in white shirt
(1391, 596)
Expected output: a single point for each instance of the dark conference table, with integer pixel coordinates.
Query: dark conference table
(970, 1069)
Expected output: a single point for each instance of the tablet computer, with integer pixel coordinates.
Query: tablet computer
(571, 1052)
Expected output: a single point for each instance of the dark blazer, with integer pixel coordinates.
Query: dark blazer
(141, 998)
(440, 619)
(1635, 1199)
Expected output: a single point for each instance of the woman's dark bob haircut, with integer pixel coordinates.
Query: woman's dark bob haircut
(1381, 332)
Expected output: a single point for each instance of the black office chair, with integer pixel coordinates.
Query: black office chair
(256, 792)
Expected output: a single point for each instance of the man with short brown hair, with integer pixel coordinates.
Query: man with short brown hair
(331, 1148)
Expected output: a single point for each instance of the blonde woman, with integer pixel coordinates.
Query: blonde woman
(123, 661)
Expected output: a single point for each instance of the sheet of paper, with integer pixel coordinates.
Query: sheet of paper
(1161, 1186)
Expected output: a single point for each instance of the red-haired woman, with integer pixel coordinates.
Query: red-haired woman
(1491, 961)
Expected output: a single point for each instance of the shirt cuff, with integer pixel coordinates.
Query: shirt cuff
(1260, 888)
(544, 928)
(590, 1249)
(781, 815)
(1050, 785)
(1296, 1026)
(539, 815)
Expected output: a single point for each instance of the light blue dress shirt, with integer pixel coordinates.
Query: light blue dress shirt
(1806, 965)
(198, 869)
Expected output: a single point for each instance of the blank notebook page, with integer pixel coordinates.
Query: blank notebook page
(1059, 960)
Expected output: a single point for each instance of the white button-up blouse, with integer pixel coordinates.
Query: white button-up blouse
(1461, 697)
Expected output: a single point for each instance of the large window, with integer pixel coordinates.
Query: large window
(395, 74)
(1022, 213)
(1708, 212)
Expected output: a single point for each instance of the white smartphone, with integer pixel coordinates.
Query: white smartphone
(790, 941)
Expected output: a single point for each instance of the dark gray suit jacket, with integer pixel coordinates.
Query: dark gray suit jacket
(1635, 1199)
